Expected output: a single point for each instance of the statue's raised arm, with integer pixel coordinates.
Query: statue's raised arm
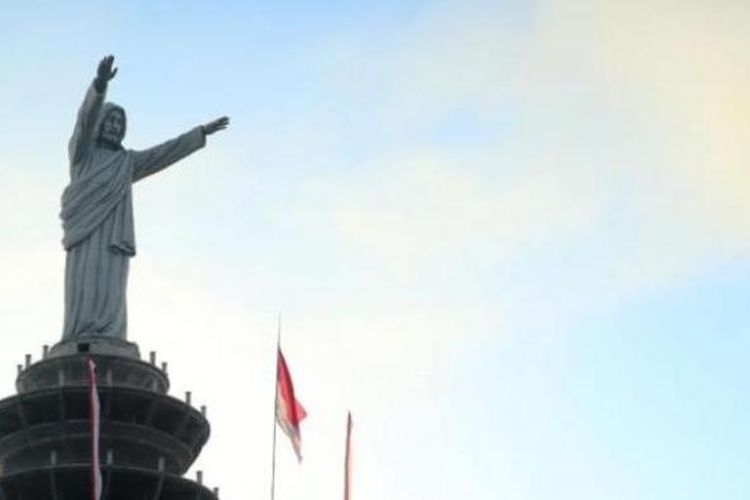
(104, 73)
(80, 141)
(97, 210)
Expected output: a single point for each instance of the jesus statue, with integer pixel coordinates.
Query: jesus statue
(97, 209)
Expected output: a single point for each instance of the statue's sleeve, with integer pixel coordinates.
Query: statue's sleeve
(152, 160)
(83, 133)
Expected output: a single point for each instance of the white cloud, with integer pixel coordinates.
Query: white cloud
(426, 210)
(637, 120)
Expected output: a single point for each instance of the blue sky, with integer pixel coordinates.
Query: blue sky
(512, 237)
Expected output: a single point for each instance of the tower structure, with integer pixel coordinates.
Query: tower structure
(148, 439)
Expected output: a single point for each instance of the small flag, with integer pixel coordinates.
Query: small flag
(348, 459)
(94, 422)
(289, 413)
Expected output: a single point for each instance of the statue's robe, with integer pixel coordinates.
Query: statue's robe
(97, 216)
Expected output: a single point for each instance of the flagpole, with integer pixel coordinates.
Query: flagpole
(348, 457)
(275, 407)
(94, 426)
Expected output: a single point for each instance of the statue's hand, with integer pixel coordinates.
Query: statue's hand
(216, 125)
(104, 73)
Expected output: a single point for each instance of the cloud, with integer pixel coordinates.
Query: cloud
(676, 72)
(615, 162)
(427, 210)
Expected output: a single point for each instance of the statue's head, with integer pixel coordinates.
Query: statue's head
(112, 125)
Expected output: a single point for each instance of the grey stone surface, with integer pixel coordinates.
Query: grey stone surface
(108, 346)
(97, 211)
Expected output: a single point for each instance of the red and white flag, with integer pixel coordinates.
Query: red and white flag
(289, 413)
(348, 459)
(94, 422)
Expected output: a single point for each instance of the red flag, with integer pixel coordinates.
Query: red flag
(289, 413)
(348, 458)
(94, 423)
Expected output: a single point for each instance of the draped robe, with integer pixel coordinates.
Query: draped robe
(97, 218)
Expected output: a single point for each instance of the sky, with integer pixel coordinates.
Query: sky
(513, 238)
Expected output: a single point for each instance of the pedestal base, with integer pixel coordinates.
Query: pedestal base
(104, 346)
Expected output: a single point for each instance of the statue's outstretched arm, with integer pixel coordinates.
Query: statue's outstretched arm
(152, 160)
(83, 133)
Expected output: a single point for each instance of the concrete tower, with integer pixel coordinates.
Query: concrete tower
(148, 438)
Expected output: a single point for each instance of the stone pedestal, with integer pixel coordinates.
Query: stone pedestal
(97, 345)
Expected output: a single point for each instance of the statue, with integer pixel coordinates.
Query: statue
(97, 210)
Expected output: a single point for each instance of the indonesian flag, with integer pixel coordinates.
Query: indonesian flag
(348, 459)
(289, 413)
(94, 422)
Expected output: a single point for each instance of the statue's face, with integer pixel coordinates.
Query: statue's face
(113, 127)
